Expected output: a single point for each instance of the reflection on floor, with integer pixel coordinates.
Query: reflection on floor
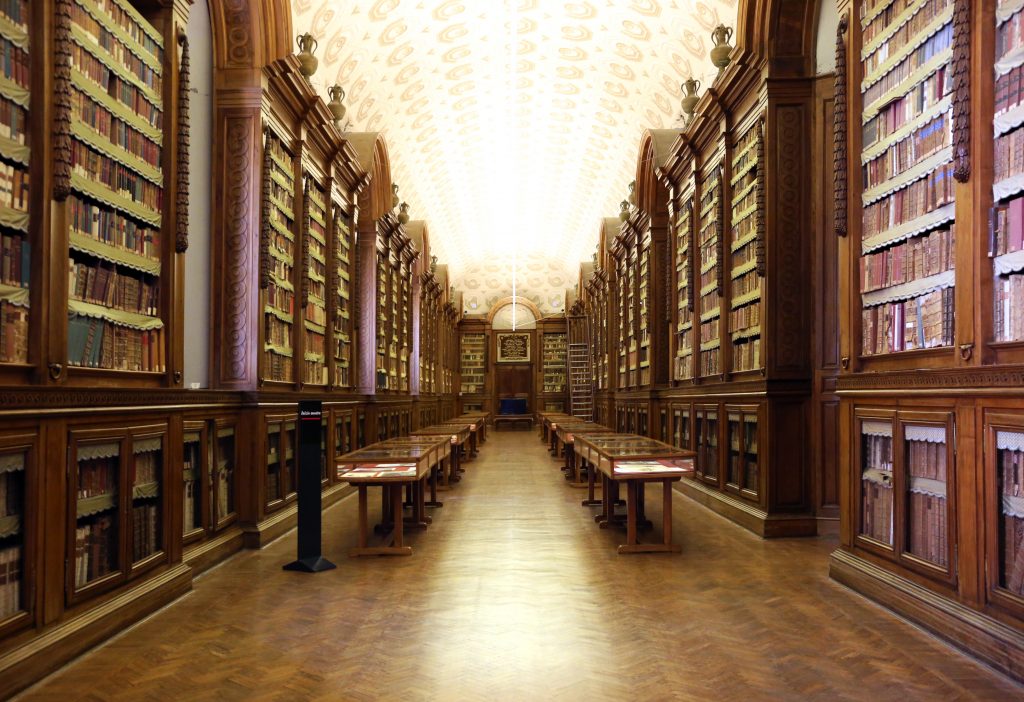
(515, 594)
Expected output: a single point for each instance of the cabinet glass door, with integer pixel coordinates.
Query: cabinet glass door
(192, 482)
(926, 471)
(876, 484)
(223, 478)
(97, 483)
(146, 536)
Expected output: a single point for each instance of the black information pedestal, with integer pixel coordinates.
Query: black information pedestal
(310, 456)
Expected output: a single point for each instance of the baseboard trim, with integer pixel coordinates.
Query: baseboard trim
(747, 516)
(67, 640)
(974, 633)
(279, 523)
(212, 551)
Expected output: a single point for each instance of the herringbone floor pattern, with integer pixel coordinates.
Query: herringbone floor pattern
(515, 594)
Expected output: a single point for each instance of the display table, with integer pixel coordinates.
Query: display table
(457, 435)
(513, 419)
(635, 461)
(392, 466)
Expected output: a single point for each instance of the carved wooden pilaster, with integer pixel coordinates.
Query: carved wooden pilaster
(237, 262)
(62, 103)
(962, 90)
(181, 194)
(839, 139)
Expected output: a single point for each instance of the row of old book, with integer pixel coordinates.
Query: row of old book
(128, 22)
(907, 204)
(1011, 473)
(277, 332)
(14, 182)
(1010, 35)
(1006, 227)
(14, 62)
(98, 33)
(1009, 90)
(906, 32)
(920, 323)
(909, 260)
(146, 107)
(908, 152)
(879, 24)
(13, 333)
(316, 372)
(746, 354)
(1008, 313)
(935, 45)
(928, 531)
(97, 476)
(745, 317)
(11, 491)
(112, 228)
(118, 132)
(147, 467)
(15, 260)
(145, 530)
(926, 459)
(922, 97)
(710, 362)
(96, 545)
(108, 285)
(876, 511)
(13, 121)
(16, 11)
(119, 178)
(99, 343)
(10, 581)
(1009, 155)
(277, 367)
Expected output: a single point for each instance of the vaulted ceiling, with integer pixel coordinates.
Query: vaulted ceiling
(513, 125)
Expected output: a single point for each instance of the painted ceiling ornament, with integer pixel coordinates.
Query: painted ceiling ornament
(690, 97)
(337, 94)
(722, 49)
(307, 61)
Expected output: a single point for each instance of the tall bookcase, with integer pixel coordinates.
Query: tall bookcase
(746, 249)
(711, 267)
(15, 173)
(930, 343)
(554, 351)
(473, 363)
(278, 275)
(395, 256)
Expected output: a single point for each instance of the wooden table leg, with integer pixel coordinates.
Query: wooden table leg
(363, 526)
(631, 509)
(666, 512)
(438, 468)
(398, 519)
(591, 474)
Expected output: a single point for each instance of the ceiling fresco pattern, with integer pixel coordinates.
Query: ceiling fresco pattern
(513, 125)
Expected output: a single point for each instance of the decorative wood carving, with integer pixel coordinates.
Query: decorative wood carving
(760, 244)
(962, 90)
(62, 101)
(790, 338)
(840, 158)
(266, 228)
(239, 244)
(184, 124)
(304, 282)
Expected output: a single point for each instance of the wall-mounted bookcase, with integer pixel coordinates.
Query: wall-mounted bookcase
(116, 524)
(746, 265)
(15, 462)
(682, 364)
(554, 350)
(343, 249)
(907, 266)
(709, 288)
(15, 162)
(473, 363)
(281, 462)
(1006, 246)
(116, 275)
(314, 283)
(279, 219)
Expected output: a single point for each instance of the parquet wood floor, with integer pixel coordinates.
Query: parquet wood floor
(515, 594)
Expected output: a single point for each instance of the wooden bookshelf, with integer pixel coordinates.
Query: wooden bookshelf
(342, 329)
(16, 472)
(118, 272)
(279, 222)
(709, 279)
(746, 249)
(554, 350)
(473, 363)
(685, 282)
(314, 283)
(15, 172)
